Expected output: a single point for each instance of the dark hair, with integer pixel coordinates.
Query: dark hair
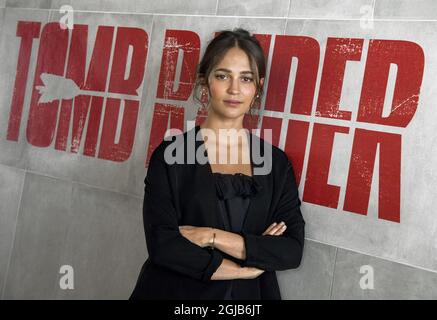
(216, 50)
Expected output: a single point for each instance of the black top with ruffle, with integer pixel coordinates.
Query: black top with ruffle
(233, 193)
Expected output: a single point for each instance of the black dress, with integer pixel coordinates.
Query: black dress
(233, 194)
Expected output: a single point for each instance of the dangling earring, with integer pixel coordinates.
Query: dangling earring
(205, 96)
(253, 102)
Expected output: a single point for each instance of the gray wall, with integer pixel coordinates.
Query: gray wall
(61, 208)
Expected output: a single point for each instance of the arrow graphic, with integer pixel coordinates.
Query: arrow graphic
(57, 88)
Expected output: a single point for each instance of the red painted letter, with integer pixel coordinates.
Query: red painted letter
(361, 173)
(409, 58)
(27, 31)
(338, 51)
(317, 190)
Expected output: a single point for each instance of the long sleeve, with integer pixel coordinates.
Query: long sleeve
(165, 244)
(280, 252)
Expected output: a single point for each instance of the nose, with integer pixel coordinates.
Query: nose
(234, 86)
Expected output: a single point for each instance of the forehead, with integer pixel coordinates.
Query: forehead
(235, 60)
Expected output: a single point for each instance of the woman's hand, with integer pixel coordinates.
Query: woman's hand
(250, 273)
(275, 229)
(202, 236)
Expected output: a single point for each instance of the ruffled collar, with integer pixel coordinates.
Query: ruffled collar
(235, 185)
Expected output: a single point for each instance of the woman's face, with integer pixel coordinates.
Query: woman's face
(232, 81)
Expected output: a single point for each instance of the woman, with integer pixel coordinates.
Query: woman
(220, 230)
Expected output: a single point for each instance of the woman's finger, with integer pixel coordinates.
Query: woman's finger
(279, 229)
(269, 229)
(186, 227)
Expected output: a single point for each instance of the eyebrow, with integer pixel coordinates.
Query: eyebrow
(229, 71)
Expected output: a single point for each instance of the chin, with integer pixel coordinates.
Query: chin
(232, 114)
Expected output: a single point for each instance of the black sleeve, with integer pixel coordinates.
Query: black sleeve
(165, 244)
(279, 252)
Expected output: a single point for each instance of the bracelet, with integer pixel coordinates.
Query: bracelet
(213, 241)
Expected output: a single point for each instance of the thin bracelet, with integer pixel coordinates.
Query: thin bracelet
(213, 241)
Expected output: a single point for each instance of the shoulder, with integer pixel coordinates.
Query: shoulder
(280, 156)
(282, 171)
(173, 141)
(172, 149)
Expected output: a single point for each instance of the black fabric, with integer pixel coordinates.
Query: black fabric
(233, 193)
(187, 194)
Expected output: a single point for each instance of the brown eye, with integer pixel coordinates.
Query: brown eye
(247, 79)
(220, 76)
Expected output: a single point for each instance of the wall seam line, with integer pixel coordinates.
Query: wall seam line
(399, 19)
(13, 237)
(289, 9)
(373, 255)
(216, 7)
(83, 184)
(333, 274)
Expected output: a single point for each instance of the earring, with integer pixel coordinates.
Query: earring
(203, 93)
(205, 98)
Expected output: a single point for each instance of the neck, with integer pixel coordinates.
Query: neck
(215, 125)
(214, 122)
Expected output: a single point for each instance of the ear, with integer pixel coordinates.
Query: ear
(202, 81)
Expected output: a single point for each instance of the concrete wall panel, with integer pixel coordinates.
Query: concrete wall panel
(37, 4)
(406, 10)
(313, 279)
(62, 223)
(42, 225)
(329, 9)
(271, 8)
(10, 195)
(381, 279)
(142, 6)
(105, 244)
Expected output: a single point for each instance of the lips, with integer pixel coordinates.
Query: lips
(233, 103)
